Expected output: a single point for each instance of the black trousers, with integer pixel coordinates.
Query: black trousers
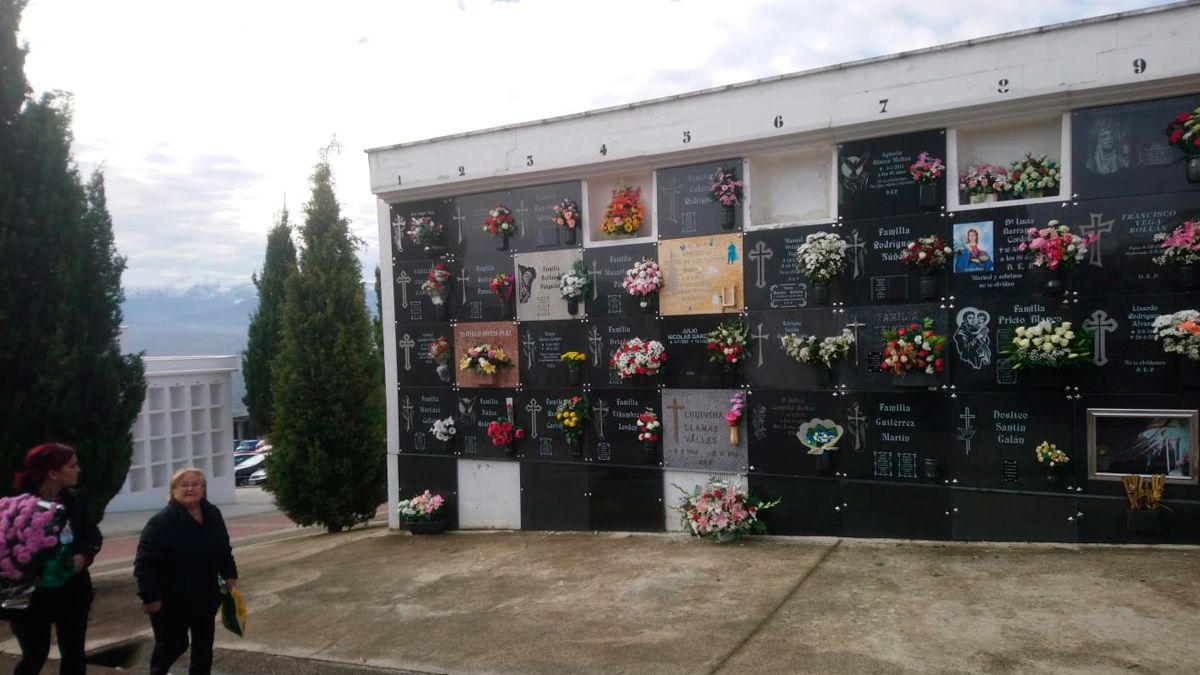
(66, 608)
(171, 626)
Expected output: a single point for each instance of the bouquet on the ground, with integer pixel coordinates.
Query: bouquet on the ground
(500, 222)
(576, 282)
(1047, 344)
(648, 427)
(32, 553)
(809, 350)
(643, 279)
(425, 506)
(443, 429)
(727, 343)
(913, 348)
(1181, 247)
(504, 431)
(1033, 174)
(719, 508)
(927, 254)
(437, 284)
(927, 169)
(1054, 245)
(1184, 132)
(625, 212)
(726, 188)
(1179, 333)
(502, 286)
(439, 350)
(1048, 453)
(566, 214)
(572, 413)
(484, 358)
(423, 230)
(638, 357)
(983, 179)
(822, 256)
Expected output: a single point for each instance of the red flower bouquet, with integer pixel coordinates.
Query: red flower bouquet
(500, 222)
(502, 286)
(913, 348)
(503, 432)
(1184, 132)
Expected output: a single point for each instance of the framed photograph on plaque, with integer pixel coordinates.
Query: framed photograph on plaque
(1142, 442)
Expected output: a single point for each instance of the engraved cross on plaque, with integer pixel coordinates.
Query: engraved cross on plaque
(522, 211)
(855, 325)
(600, 413)
(760, 336)
(1099, 228)
(760, 254)
(856, 419)
(594, 343)
(675, 407)
(398, 232)
(406, 343)
(854, 249)
(404, 280)
(1101, 323)
(966, 432)
(595, 277)
(527, 345)
(463, 279)
(533, 408)
(671, 190)
(459, 218)
(406, 409)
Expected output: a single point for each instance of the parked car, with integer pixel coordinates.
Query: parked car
(246, 445)
(259, 477)
(244, 466)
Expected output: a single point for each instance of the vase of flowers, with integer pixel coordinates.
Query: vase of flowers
(823, 353)
(567, 216)
(500, 223)
(643, 280)
(422, 231)
(982, 183)
(1181, 248)
(929, 255)
(1179, 334)
(625, 213)
(1056, 251)
(648, 430)
(821, 257)
(1184, 133)
(437, 287)
(504, 433)
(574, 362)
(721, 511)
(927, 173)
(737, 405)
(444, 430)
(485, 360)
(1031, 177)
(439, 353)
(1054, 460)
(726, 189)
(1049, 345)
(913, 354)
(638, 358)
(574, 285)
(727, 344)
(502, 288)
(424, 513)
(572, 414)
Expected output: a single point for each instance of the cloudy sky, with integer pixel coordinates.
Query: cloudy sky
(207, 114)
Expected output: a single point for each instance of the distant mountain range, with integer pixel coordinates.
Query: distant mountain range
(202, 320)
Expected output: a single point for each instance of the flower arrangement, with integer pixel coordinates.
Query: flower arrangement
(737, 406)
(1047, 344)
(720, 511)
(822, 256)
(727, 343)
(648, 427)
(913, 348)
(624, 213)
(1181, 247)
(726, 188)
(30, 550)
(819, 435)
(485, 359)
(500, 222)
(502, 286)
(1048, 453)
(927, 170)
(1054, 245)
(643, 280)
(638, 357)
(566, 214)
(504, 431)
(423, 230)
(1184, 132)
(928, 254)
(1036, 175)
(1179, 333)
(983, 180)
(443, 429)
(572, 414)
(807, 350)
(439, 350)
(437, 284)
(425, 506)
(576, 282)
(573, 359)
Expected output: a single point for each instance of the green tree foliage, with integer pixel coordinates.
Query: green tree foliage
(64, 377)
(265, 332)
(327, 465)
(377, 322)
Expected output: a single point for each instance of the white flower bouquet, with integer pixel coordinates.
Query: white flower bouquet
(1048, 344)
(1179, 333)
(807, 349)
(443, 429)
(822, 256)
(575, 283)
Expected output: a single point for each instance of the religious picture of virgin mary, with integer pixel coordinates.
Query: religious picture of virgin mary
(973, 247)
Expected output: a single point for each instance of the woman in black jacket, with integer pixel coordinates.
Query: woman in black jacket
(182, 550)
(51, 471)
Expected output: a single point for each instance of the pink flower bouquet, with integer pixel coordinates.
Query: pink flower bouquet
(721, 512)
(31, 553)
(425, 506)
(1181, 246)
(1054, 245)
(643, 280)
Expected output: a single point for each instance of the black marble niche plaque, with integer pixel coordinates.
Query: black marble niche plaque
(873, 176)
(987, 259)
(772, 277)
(541, 345)
(414, 367)
(992, 431)
(604, 336)
(553, 496)
(441, 211)
(625, 498)
(608, 265)
(412, 304)
(1122, 149)
(418, 410)
(686, 339)
(899, 432)
(439, 475)
(861, 371)
(534, 210)
(612, 438)
(990, 516)
(900, 511)
(471, 210)
(1124, 354)
(545, 441)
(771, 423)
(875, 274)
(807, 506)
(471, 296)
(686, 206)
(770, 367)
(979, 330)
(474, 410)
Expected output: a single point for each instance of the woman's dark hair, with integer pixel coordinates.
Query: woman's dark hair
(40, 461)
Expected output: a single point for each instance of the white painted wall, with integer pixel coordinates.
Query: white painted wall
(489, 495)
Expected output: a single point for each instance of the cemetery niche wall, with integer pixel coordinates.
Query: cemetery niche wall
(946, 455)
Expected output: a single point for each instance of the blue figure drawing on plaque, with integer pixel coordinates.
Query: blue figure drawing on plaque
(973, 247)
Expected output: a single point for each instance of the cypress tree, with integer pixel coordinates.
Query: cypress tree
(377, 322)
(264, 335)
(327, 465)
(65, 378)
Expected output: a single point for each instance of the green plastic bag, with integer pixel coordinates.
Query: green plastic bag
(233, 609)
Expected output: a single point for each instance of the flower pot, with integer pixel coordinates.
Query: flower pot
(1187, 277)
(575, 442)
(728, 217)
(1144, 521)
(984, 199)
(1033, 194)
(574, 375)
(1054, 281)
(1044, 378)
(726, 537)
(436, 526)
(932, 469)
(927, 195)
(570, 236)
(734, 440)
(503, 243)
(823, 376)
(1054, 476)
(1193, 169)
(928, 287)
(435, 250)
(914, 380)
(820, 293)
(1185, 470)
(1189, 373)
(644, 303)
(573, 306)
(440, 310)
(650, 451)
(448, 446)
(731, 377)
(487, 380)
(826, 463)
(445, 374)
(508, 449)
